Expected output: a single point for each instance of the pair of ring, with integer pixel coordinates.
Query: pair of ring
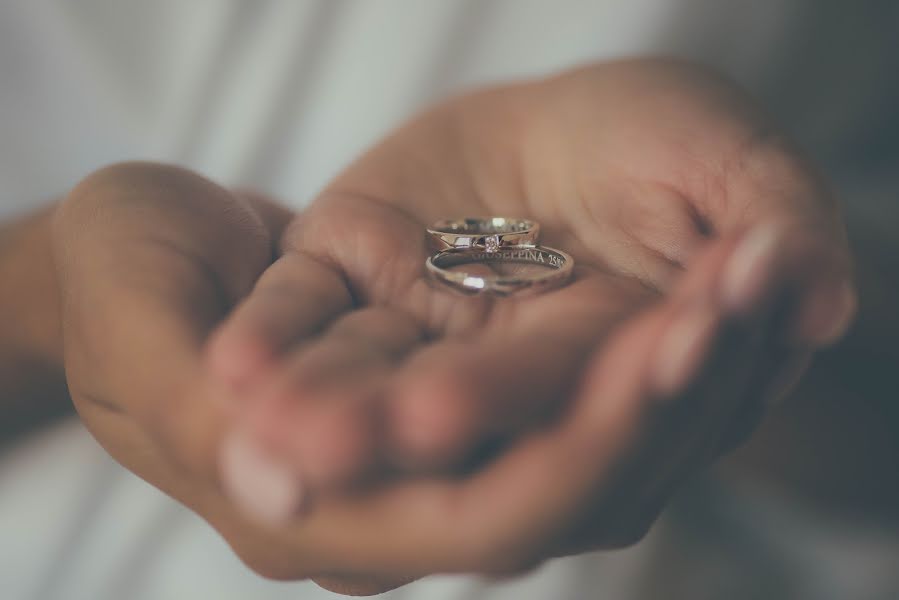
(489, 241)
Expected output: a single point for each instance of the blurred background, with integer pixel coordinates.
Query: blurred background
(281, 94)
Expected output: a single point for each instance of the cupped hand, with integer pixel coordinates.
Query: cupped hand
(710, 261)
(351, 365)
(491, 433)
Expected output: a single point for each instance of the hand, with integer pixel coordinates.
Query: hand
(641, 170)
(149, 259)
(351, 368)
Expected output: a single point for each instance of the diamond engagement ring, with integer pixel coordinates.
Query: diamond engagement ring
(483, 233)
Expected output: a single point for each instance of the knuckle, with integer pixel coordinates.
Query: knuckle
(174, 212)
(161, 191)
(123, 198)
(119, 183)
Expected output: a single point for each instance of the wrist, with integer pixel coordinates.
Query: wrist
(32, 381)
(30, 325)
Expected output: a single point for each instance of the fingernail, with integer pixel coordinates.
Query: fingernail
(263, 487)
(682, 350)
(744, 275)
(827, 314)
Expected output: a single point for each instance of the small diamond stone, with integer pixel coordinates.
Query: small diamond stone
(491, 243)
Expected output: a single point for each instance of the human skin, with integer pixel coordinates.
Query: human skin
(191, 321)
(32, 385)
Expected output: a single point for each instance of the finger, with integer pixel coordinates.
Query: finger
(776, 363)
(496, 518)
(704, 365)
(701, 368)
(751, 368)
(295, 297)
(274, 215)
(317, 425)
(336, 388)
(456, 396)
(776, 373)
(796, 241)
(554, 478)
(461, 395)
(786, 263)
(150, 257)
(723, 392)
